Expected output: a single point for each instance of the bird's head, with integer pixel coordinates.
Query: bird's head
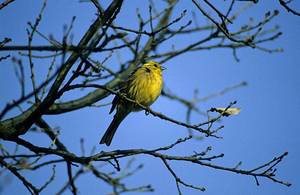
(154, 66)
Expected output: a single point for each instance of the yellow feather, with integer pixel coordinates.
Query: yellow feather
(144, 86)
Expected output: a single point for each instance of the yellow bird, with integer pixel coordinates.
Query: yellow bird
(144, 86)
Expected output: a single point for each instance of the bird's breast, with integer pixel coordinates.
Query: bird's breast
(146, 89)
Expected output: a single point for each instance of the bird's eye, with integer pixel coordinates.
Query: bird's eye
(156, 66)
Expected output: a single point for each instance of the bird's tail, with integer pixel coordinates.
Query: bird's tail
(111, 130)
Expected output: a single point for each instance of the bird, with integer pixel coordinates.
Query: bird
(144, 86)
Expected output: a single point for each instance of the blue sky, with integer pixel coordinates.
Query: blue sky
(266, 127)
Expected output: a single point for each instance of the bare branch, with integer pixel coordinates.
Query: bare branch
(5, 3)
(284, 4)
(31, 188)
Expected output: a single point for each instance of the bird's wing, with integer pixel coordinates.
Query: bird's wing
(123, 89)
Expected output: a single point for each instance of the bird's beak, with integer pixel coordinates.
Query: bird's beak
(163, 68)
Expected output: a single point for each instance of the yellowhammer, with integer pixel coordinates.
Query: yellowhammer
(144, 86)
